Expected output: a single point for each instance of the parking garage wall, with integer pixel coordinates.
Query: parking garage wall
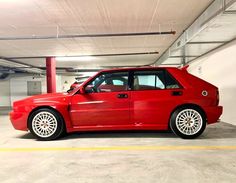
(18, 86)
(5, 93)
(218, 67)
(15, 87)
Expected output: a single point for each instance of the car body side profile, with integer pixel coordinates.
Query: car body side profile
(148, 98)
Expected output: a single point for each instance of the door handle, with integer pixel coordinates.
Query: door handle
(177, 93)
(122, 95)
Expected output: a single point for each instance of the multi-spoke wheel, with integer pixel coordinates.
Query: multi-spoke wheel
(188, 122)
(46, 124)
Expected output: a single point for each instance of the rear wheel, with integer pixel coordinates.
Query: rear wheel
(46, 124)
(188, 122)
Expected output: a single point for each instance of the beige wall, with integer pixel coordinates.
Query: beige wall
(219, 68)
(18, 86)
(5, 93)
(15, 87)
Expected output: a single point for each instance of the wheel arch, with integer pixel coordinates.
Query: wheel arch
(45, 107)
(191, 105)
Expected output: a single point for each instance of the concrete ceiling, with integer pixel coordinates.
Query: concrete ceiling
(30, 18)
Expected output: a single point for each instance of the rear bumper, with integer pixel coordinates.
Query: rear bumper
(19, 120)
(213, 114)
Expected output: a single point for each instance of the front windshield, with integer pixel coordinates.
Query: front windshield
(76, 84)
(79, 81)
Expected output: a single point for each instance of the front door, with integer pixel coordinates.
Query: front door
(106, 102)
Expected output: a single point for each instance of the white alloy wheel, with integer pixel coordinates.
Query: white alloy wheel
(189, 122)
(44, 124)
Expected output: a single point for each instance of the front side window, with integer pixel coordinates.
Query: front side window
(152, 80)
(109, 82)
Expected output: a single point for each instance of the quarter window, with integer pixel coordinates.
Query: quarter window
(170, 81)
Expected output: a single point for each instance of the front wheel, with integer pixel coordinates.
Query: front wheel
(188, 122)
(46, 124)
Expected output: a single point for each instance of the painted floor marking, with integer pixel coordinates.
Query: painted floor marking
(117, 148)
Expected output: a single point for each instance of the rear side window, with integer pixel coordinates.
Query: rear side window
(153, 80)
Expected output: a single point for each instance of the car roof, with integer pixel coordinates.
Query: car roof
(136, 68)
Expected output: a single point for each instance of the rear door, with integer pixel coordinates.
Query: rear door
(105, 103)
(153, 95)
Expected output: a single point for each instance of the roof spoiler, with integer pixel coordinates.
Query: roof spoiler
(184, 68)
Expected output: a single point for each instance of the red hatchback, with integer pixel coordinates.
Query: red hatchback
(152, 98)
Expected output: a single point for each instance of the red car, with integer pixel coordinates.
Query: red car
(154, 98)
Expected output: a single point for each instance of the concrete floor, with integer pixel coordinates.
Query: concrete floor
(118, 157)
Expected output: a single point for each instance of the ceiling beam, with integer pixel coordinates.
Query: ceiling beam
(186, 56)
(15, 64)
(216, 9)
(170, 64)
(207, 42)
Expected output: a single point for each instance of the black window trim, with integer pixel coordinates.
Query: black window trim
(165, 72)
(107, 72)
(172, 77)
(131, 78)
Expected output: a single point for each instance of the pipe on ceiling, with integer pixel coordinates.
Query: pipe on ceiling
(95, 55)
(87, 35)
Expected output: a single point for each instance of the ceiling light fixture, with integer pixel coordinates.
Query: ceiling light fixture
(80, 58)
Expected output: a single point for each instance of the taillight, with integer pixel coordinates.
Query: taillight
(217, 97)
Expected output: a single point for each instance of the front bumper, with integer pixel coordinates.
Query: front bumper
(213, 113)
(19, 120)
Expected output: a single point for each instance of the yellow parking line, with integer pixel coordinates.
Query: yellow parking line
(117, 148)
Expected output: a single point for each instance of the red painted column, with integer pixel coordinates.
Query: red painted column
(51, 74)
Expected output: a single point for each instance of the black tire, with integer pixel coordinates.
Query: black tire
(188, 128)
(38, 129)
